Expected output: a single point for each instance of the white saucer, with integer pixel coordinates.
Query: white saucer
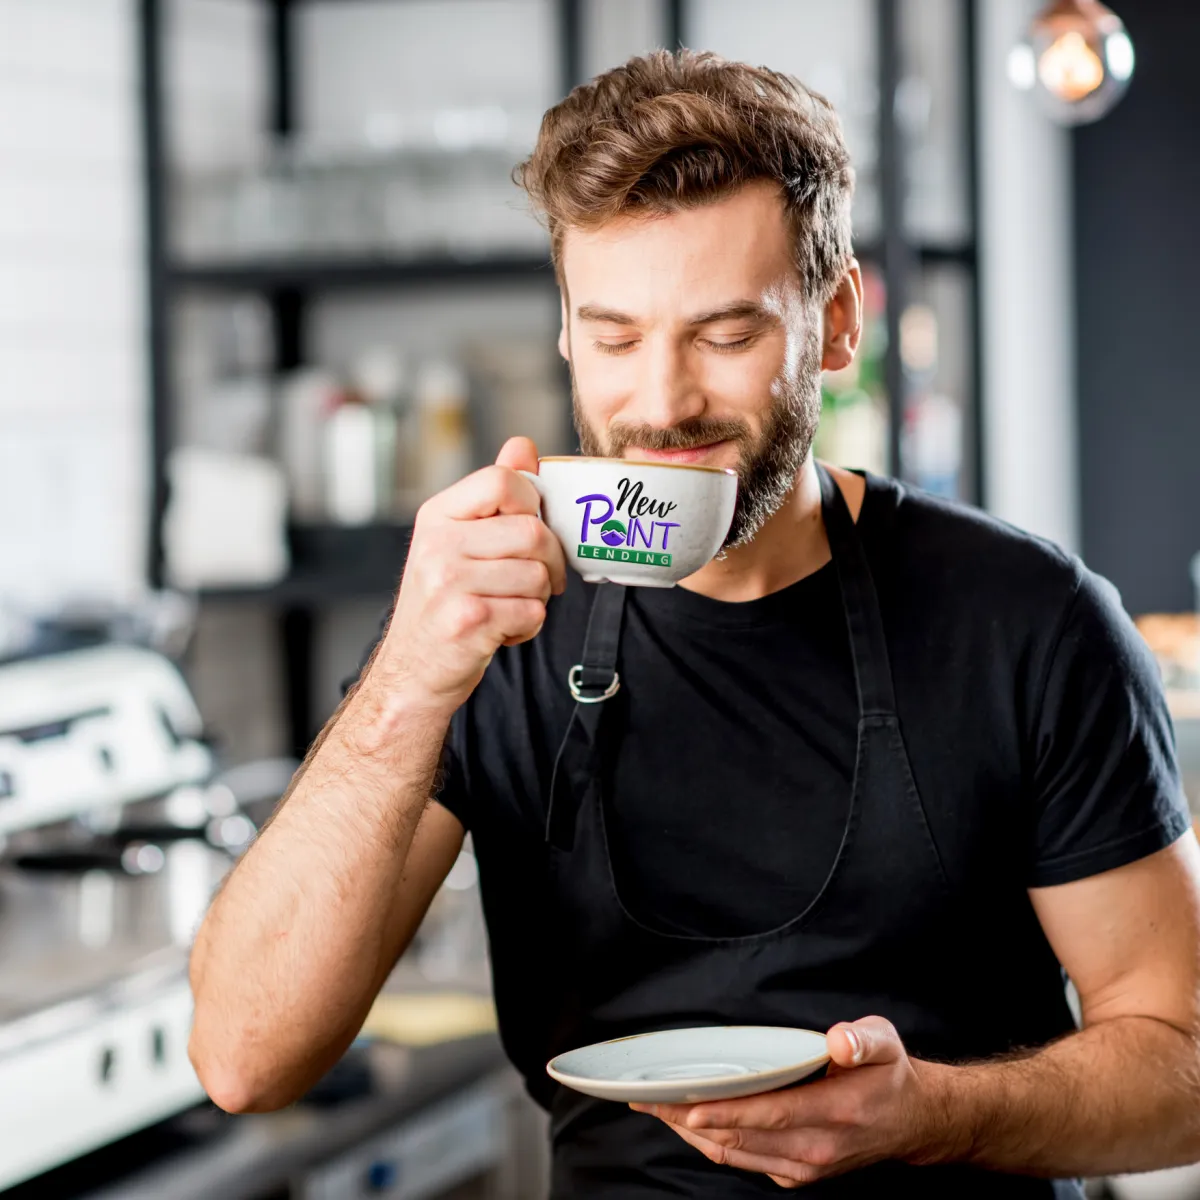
(687, 1066)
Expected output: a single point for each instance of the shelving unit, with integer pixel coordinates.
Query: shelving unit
(316, 275)
(332, 566)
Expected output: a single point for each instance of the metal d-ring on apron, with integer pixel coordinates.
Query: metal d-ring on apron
(591, 682)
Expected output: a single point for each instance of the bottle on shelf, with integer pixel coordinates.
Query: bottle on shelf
(306, 399)
(380, 377)
(442, 402)
(351, 462)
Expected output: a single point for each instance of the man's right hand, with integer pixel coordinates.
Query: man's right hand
(481, 568)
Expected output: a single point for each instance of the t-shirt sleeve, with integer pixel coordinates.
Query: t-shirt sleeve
(450, 785)
(1106, 783)
(451, 790)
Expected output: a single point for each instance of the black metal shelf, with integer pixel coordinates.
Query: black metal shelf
(314, 274)
(307, 589)
(334, 274)
(928, 254)
(332, 563)
(941, 254)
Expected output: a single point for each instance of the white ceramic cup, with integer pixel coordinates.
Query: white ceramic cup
(640, 523)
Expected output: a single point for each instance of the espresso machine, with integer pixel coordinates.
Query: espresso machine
(113, 835)
(116, 826)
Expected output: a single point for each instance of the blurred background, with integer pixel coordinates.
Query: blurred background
(266, 284)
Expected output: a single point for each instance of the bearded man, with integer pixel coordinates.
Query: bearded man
(885, 768)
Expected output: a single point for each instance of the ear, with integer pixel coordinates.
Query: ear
(843, 321)
(564, 337)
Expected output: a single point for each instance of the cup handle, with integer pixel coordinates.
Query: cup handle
(537, 483)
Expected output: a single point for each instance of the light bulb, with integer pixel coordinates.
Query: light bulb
(1078, 57)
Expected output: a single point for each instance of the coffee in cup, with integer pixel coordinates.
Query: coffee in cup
(646, 524)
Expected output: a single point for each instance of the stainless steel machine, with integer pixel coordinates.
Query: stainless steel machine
(115, 828)
(111, 841)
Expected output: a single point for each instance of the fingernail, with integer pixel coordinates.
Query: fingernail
(855, 1046)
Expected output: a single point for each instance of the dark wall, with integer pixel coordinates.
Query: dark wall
(1137, 208)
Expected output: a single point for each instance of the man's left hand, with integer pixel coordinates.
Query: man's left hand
(874, 1103)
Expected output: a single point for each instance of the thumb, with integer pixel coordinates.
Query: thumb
(518, 454)
(870, 1040)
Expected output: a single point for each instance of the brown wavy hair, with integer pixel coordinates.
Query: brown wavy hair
(667, 131)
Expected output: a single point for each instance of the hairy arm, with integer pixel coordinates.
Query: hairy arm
(300, 939)
(1122, 1094)
(307, 928)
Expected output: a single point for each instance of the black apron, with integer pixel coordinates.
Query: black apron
(882, 915)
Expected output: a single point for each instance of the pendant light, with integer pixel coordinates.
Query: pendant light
(1077, 57)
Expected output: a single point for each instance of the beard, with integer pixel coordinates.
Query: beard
(767, 464)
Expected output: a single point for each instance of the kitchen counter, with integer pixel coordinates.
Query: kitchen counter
(434, 1117)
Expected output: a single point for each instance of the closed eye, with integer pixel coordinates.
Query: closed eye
(730, 347)
(725, 347)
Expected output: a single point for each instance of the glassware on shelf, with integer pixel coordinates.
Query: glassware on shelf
(421, 197)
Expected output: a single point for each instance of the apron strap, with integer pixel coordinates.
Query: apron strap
(868, 646)
(592, 681)
(595, 678)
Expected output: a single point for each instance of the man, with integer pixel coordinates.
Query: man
(886, 767)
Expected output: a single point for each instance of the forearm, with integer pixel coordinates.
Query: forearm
(304, 931)
(1121, 1095)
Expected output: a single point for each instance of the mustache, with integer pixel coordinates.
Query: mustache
(687, 435)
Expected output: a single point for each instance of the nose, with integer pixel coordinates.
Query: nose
(669, 390)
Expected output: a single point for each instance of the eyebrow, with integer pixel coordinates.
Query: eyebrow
(734, 311)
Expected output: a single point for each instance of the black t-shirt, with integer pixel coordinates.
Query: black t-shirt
(736, 755)
(1031, 711)
(1027, 698)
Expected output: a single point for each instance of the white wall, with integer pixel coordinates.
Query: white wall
(73, 397)
(216, 83)
(1028, 306)
(615, 30)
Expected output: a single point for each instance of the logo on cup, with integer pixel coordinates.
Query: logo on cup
(631, 529)
(613, 533)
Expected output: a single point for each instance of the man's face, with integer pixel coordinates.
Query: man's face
(690, 342)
